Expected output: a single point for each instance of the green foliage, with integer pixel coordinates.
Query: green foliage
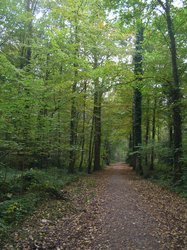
(47, 50)
(163, 167)
(22, 192)
(23, 182)
(163, 176)
(182, 187)
(15, 210)
(35, 180)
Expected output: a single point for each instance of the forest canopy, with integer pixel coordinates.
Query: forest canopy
(87, 82)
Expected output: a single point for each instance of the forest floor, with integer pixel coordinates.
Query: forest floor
(113, 209)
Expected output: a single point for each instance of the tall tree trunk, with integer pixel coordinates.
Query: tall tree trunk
(26, 51)
(131, 156)
(107, 156)
(170, 126)
(59, 138)
(147, 131)
(97, 127)
(73, 130)
(73, 117)
(25, 60)
(91, 145)
(176, 95)
(130, 150)
(153, 135)
(137, 109)
(83, 129)
(170, 135)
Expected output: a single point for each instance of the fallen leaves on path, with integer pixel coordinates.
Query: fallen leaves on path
(168, 209)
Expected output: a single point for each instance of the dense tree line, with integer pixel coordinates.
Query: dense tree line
(79, 80)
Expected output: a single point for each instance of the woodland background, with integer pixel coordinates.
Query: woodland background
(85, 83)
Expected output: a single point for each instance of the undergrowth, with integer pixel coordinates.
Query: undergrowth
(22, 192)
(163, 177)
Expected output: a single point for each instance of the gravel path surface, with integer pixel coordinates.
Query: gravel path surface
(113, 209)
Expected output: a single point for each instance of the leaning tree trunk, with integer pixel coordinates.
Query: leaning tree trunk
(137, 109)
(175, 95)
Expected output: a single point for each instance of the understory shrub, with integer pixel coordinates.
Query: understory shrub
(22, 192)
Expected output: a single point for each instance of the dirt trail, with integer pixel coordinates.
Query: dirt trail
(121, 212)
(126, 224)
(139, 214)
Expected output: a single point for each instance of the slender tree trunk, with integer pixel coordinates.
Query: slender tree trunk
(25, 60)
(73, 130)
(170, 136)
(153, 135)
(176, 103)
(97, 127)
(129, 155)
(147, 131)
(73, 118)
(97, 120)
(137, 109)
(83, 129)
(158, 131)
(59, 138)
(26, 51)
(176, 95)
(107, 156)
(130, 142)
(90, 151)
(176, 99)
(170, 126)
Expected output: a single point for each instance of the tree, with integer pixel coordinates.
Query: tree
(137, 104)
(70, 73)
(175, 93)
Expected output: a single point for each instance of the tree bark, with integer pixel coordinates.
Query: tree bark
(153, 135)
(73, 131)
(26, 51)
(147, 130)
(90, 151)
(97, 127)
(73, 117)
(175, 96)
(137, 109)
(83, 129)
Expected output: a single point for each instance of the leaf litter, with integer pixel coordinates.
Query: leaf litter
(112, 209)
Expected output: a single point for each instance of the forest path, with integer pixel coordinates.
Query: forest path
(113, 209)
(139, 215)
(126, 223)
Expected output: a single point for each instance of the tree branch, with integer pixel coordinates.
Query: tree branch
(162, 4)
(134, 80)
